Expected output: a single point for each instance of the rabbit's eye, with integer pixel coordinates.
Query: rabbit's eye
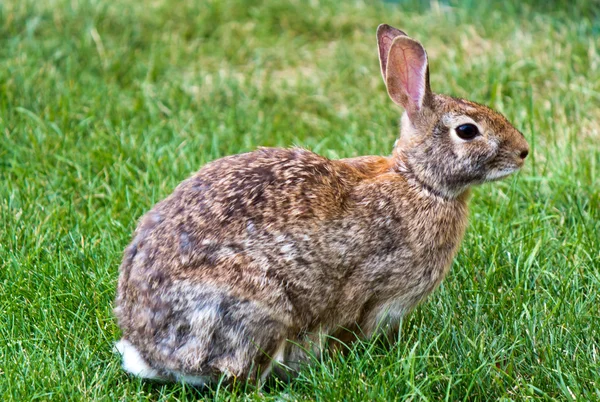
(467, 131)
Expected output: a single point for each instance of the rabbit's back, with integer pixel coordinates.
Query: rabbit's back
(239, 210)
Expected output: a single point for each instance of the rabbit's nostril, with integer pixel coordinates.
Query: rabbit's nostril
(524, 154)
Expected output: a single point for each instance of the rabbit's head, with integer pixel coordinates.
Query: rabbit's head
(446, 143)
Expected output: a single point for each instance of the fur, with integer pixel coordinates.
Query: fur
(254, 260)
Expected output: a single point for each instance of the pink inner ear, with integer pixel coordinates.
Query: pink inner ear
(409, 66)
(414, 78)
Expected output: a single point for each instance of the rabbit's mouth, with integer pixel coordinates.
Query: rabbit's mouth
(499, 174)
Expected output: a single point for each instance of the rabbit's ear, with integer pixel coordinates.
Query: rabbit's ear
(407, 75)
(385, 36)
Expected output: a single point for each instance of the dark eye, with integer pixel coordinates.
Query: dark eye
(467, 131)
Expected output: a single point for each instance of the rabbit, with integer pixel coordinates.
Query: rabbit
(253, 263)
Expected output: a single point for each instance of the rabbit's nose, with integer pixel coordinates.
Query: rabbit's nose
(524, 154)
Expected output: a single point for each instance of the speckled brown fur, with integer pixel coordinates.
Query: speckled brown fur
(278, 245)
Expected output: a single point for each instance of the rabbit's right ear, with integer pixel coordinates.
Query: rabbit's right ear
(407, 75)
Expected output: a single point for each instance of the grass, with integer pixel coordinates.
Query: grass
(106, 106)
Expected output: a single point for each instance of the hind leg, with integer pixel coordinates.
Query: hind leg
(198, 332)
(227, 335)
(247, 342)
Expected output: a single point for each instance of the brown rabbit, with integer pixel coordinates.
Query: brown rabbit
(256, 257)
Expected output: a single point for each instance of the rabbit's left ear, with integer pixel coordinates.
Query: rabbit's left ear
(385, 36)
(407, 75)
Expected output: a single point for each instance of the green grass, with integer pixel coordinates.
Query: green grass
(106, 106)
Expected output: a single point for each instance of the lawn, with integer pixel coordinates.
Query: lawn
(106, 105)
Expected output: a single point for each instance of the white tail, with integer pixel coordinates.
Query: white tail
(134, 363)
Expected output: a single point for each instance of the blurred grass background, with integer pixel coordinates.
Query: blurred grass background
(106, 105)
